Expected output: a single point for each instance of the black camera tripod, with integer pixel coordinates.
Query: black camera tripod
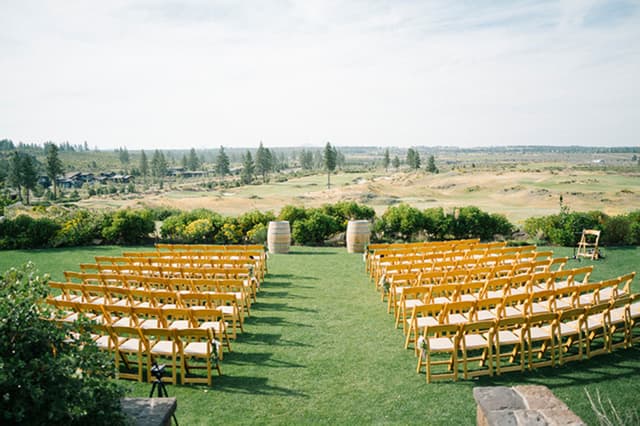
(158, 372)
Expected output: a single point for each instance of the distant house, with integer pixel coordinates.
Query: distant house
(44, 181)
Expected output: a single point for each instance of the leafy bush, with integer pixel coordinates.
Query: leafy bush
(315, 229)
(471, 222)
(250, 220)
(617, 231)
(47, 374)
(78, 228)
(129, 227)
(292, 214)
(26, 232)
(173, 227)
(401, 221)
(344, 211)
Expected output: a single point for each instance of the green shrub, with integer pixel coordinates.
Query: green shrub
(401, 221)
(174, 227)
(344, 211)
(292, 214)
(129, 227)
(47, 374)
(315, 229)
(617, 231)
(78, 228)
(26, 232)
(250, 220)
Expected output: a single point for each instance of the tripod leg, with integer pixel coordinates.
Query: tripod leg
(153, 388)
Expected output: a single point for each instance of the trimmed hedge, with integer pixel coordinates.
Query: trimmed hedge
(309, 226)
(566, 228)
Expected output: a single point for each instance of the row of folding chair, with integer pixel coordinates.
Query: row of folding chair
(170, 261)
(184, 350)
(477, 251)
(383, 262)
(444, 311)
(256, 259)
(234, 305)
(544, 262)
(242, 288)
(209, 247)
(376, 251)
(527, 341)
(481, 279)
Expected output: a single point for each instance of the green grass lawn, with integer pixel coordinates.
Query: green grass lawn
(320, 348)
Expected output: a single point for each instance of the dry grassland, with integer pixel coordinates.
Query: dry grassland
(517, 194)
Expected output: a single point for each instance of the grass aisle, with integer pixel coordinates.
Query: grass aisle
(320, 348)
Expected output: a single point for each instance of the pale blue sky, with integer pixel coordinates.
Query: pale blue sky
(174, 74)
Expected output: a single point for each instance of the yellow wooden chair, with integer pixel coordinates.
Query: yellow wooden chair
(541, 338)
(588, 244)
(569, 333)
(128, 348)
(161, 343)
(435, 340)
(197, 344)
(421, 317)
(619, 322)
(476, 337)
(509, 342)
(596, 329)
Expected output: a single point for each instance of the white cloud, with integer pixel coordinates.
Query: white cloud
(198, 73)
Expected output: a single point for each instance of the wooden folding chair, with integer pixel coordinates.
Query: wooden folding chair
(541, 336)
(509, 342)
(570, 332)
(477, 336)
(439, 339)
(588, 244)
(596, 329)
(619, 323)
(422, 316)
(197, 344)
(161, 343)
(128, 344)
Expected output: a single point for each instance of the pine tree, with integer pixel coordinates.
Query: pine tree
(193, 162)
(222, 163)
(159, 166)
(29, 173)
(396, 162)
(14, 177)
(53, 166)
(386, 160)
(144, 165)
(330, 160)
(431, 165)
(306, 159)
(413, 158)
(123, 154)
(248, 168)
(263, 162)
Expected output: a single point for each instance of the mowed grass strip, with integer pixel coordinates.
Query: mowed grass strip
(320, 348)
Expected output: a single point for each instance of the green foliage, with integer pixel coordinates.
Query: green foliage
(248, 168)
(47, 374)
(129, 227)
(401, 221)
(292, 214)
(26, 232)
(78, 228)
(330, 158)
(174, 228)
(471, 222)
(315, 229)
(413, 159)
(344, 211)
(566, 228)
(431, 165)
(222, 163)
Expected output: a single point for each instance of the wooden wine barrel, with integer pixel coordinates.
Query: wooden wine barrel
(279, 237)
(358, 235)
